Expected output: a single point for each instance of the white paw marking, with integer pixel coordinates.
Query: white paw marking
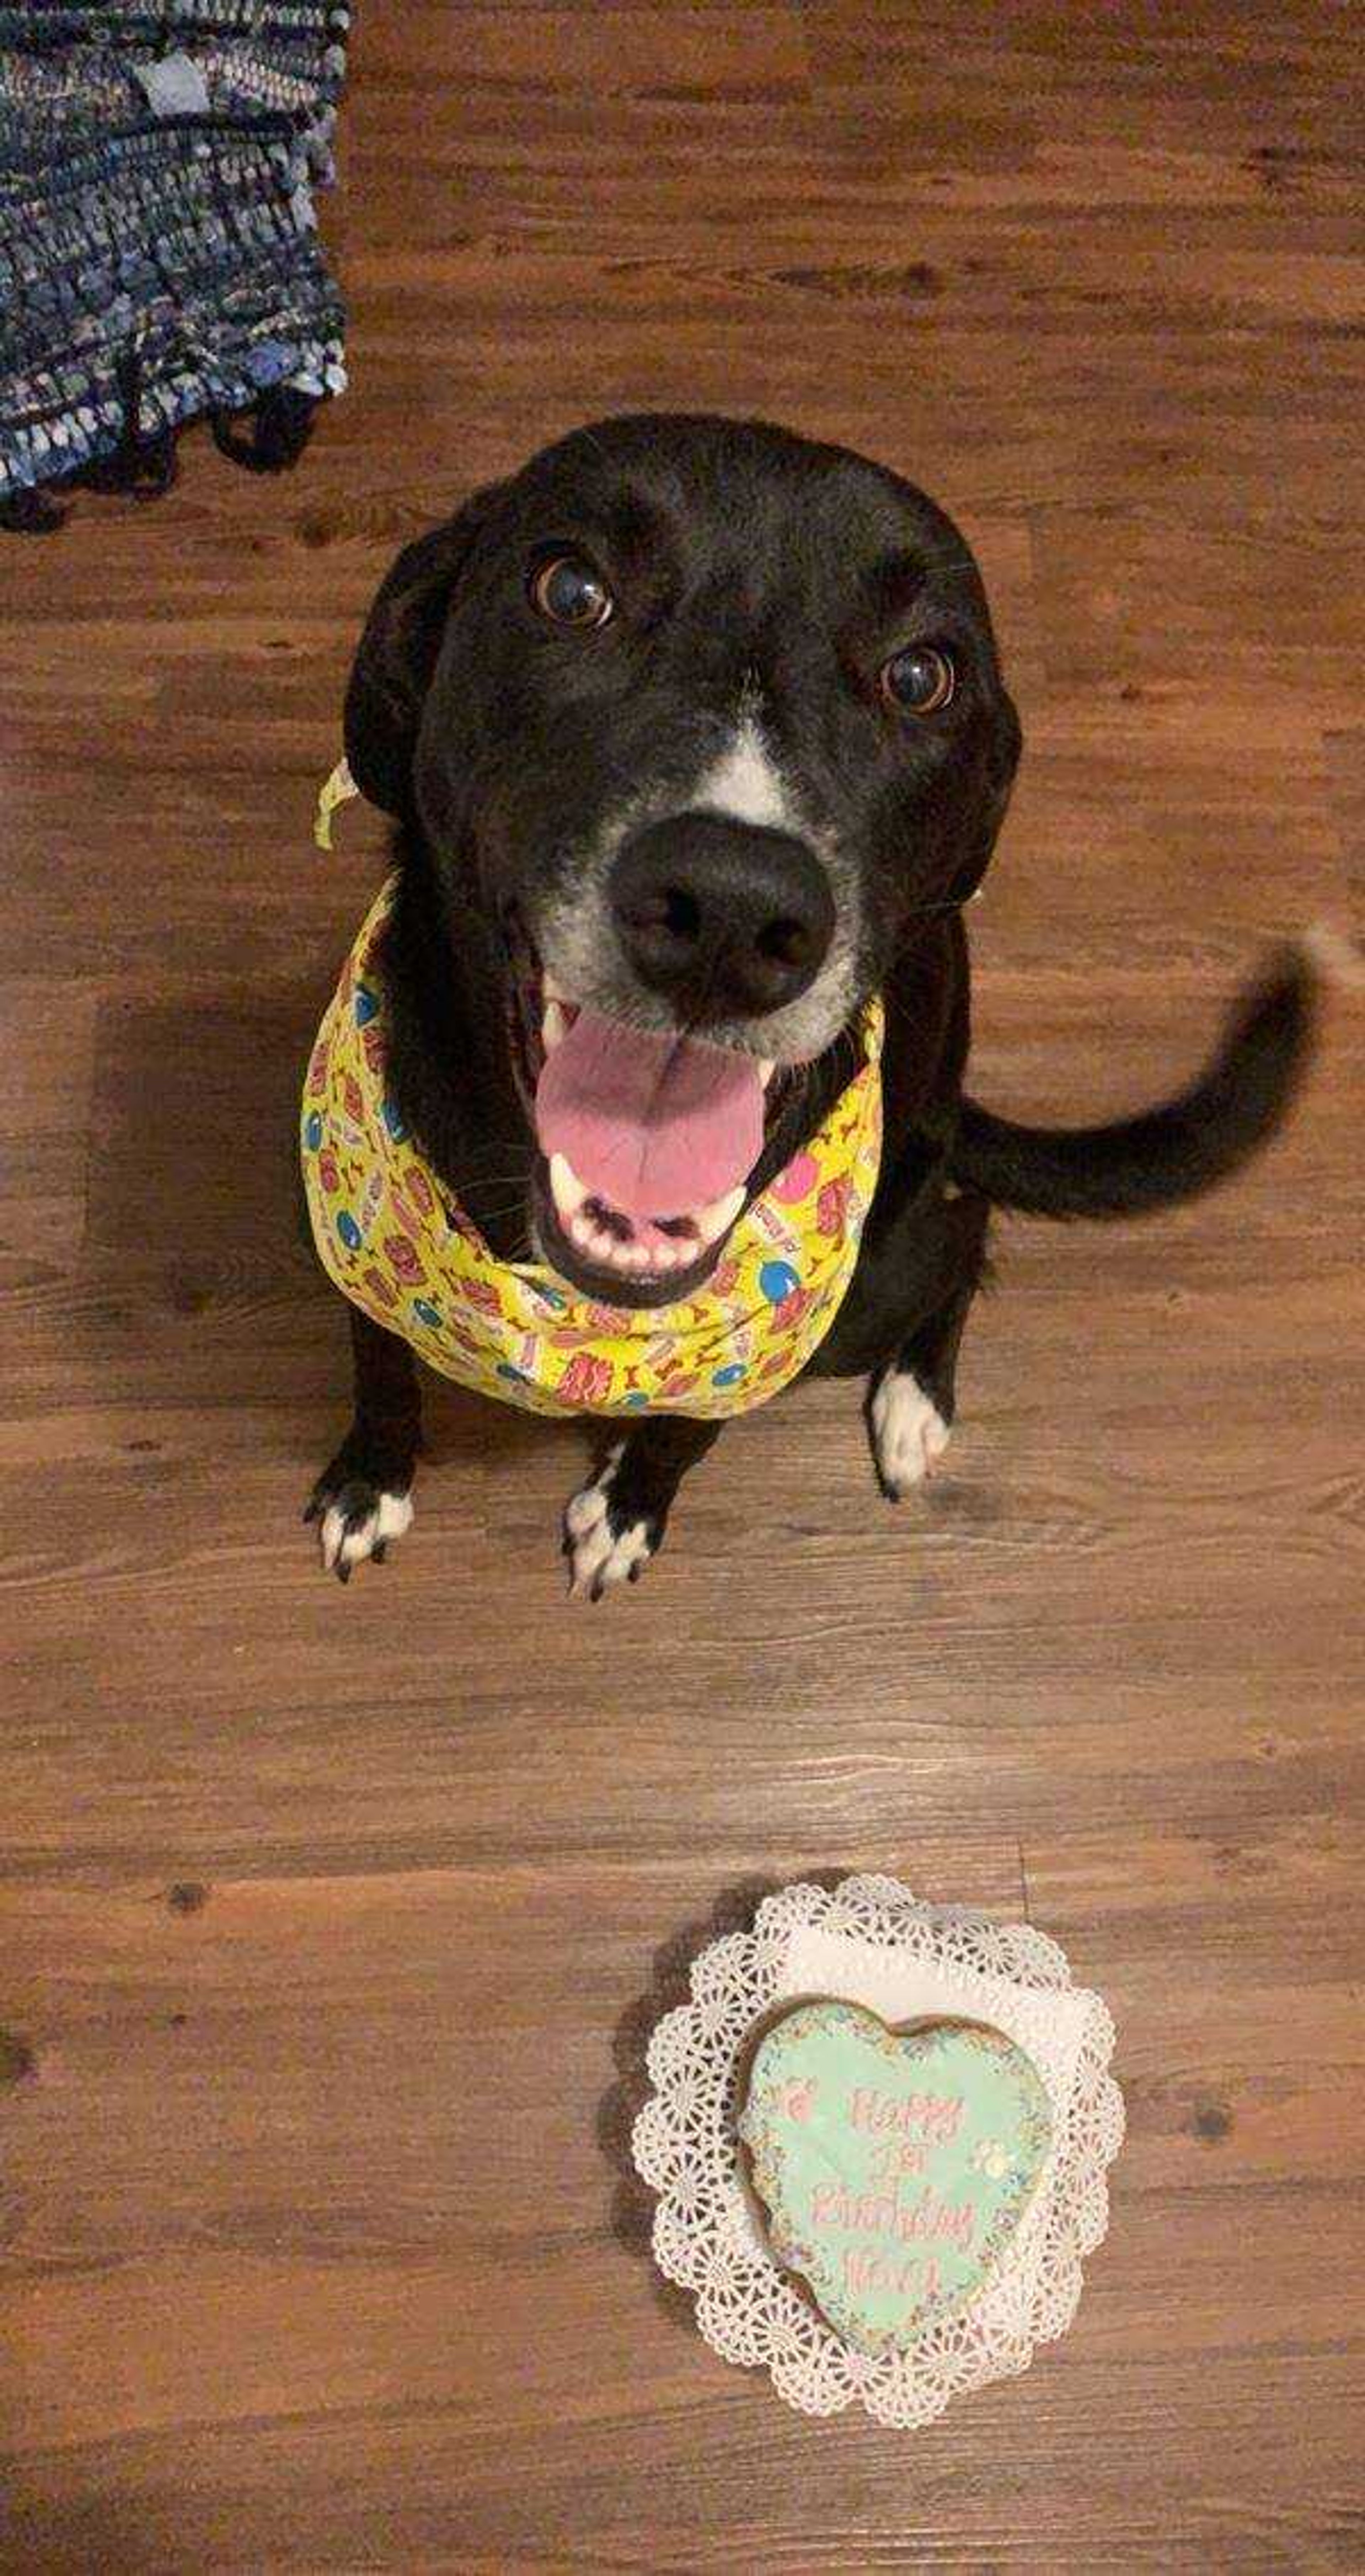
(343, 1547)
(908, 1431)
(596, 1559)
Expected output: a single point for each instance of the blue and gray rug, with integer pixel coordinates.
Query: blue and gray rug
(159, 255)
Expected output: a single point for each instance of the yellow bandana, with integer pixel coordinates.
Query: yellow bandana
(395, 1243)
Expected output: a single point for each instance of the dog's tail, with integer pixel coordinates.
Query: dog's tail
(1167, 1154)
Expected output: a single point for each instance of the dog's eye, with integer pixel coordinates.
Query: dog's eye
(918, 681)
(570, 593)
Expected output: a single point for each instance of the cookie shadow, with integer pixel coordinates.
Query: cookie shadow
(633, 2203)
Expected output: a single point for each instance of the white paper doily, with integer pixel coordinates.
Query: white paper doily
(871, 1942)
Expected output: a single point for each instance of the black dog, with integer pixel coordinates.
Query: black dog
(697, 727)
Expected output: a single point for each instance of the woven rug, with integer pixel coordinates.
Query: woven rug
(159, 255)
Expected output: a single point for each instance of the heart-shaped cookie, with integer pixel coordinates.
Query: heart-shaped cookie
(895, 2165)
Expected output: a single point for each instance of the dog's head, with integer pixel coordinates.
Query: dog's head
(707, 721)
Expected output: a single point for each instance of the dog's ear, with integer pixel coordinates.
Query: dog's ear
(397, 655)
(975, 802)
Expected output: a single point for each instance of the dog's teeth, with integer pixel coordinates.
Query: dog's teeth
(581, 1232)
(552, 991)
(712, 1221)
(767, 1067)
(566, 1189)
(554, 1025)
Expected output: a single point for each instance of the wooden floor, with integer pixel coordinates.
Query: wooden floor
(332, 1924)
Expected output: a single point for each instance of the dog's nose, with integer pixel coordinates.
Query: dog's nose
(727, 918)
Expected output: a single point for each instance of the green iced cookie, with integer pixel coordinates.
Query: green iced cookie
(895, 2166)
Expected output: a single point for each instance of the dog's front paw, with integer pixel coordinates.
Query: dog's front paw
(356, 1519)
(907, 1432)
(606, 1540)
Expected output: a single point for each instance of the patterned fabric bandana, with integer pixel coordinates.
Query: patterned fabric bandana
(395, 1243)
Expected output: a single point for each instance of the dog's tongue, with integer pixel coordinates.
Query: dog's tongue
(655, 1124)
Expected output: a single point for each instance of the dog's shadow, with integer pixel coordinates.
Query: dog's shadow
(633, 2203)
(195, 1207)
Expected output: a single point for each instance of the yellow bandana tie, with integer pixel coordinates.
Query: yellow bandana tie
(394, 1242)
(336, 790)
